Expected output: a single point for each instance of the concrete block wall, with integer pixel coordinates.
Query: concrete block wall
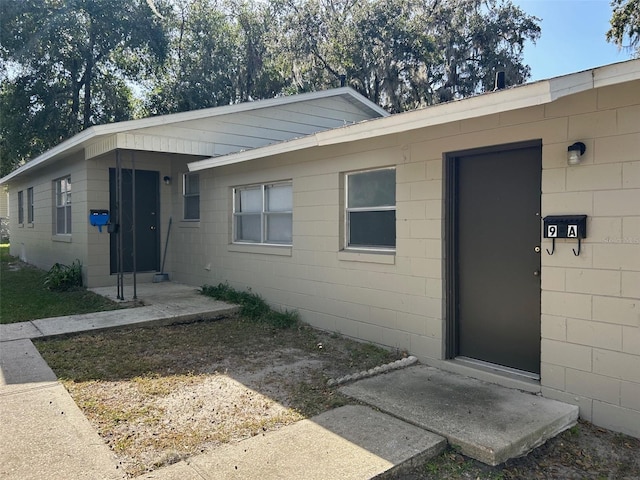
(591, 303)
(98, 259)
(590, 321)
(392, 299)
(36, 242)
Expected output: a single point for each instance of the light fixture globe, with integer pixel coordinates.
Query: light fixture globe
(575, 152)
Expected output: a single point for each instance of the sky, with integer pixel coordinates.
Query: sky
(573, 37)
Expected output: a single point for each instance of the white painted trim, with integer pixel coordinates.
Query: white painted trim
(528, 95)
(83, 139)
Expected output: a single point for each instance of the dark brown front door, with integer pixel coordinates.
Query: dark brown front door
(496, 264)
(146, 226)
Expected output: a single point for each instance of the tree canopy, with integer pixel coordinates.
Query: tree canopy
(69, 64)
(625, 25)
(66, 66)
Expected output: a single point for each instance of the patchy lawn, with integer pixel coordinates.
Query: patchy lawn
(24, 296)
(158, 395)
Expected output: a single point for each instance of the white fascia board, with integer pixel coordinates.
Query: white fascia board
(529, 95)
(523, 96)
(616, 73)
(70, 145)
(486, 104)
(77, 142)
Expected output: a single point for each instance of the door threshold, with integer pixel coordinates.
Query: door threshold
(499, 368)
(492, 373)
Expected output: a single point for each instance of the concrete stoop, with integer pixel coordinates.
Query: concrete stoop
(351, 442)
(485, 421)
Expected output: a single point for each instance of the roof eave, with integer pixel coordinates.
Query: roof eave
(522, 96)
(80, 140)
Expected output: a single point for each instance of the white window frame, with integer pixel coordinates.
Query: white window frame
(21, 207)
(30, 205)
(373, 208)
(62, 204)
(189, 195)
(264, 213)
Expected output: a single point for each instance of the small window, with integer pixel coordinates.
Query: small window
(30, 205)
(263, 214)
(191, 196)
(63, 206)
(371, 209)
(21, 207)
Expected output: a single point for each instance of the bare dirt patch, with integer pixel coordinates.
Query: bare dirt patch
(159, 395)
(584, 452)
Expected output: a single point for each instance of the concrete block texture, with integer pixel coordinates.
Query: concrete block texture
(594, 177)
(618, 148)
(598, 282)
(622, 311)
(594, 386)
(566, 304)
(617, 202)
(554, 328)
(631, 340)
(630, 395)
(619, 96)
(616, 255)
(631, 174)
(629, 118)
(594, 334)
(589, 125)
(566, 354)
(616, 365)
(616, 418)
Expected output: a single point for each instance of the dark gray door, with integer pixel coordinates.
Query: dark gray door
(147, 205)
(497, 267)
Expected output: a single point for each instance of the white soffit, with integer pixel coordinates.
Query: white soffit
(537, 93)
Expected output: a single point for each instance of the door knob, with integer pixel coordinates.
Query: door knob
(536, 273)
(536, 249)
(153, 227)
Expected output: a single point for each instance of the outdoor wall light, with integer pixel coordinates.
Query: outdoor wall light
(575, 152)
(167, 180)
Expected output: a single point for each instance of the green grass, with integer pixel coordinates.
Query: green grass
(24, 297)
(252, 306)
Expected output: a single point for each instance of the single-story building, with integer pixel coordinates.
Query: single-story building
(496, 236)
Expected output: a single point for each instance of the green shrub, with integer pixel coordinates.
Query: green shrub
(64, 277)
(252, 305)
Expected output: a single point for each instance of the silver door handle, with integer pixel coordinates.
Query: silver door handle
(536, 273)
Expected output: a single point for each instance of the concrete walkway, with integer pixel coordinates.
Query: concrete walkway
(43, 434)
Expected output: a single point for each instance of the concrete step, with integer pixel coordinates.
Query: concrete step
(485, 421)
(351, 442)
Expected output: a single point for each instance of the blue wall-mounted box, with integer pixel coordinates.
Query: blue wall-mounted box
(99, 218)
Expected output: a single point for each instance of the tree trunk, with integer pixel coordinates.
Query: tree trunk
(88, 77)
